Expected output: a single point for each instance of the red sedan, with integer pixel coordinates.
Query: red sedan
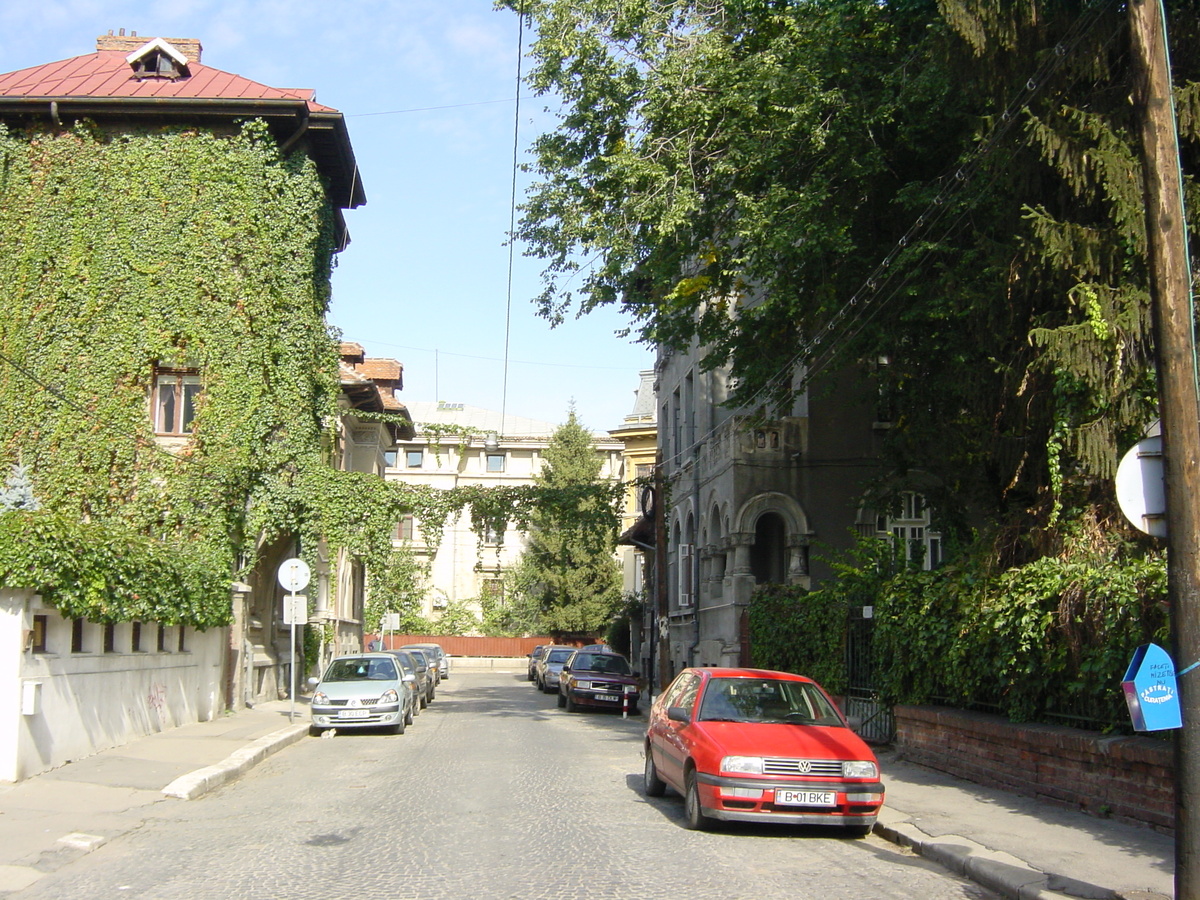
(752, 745)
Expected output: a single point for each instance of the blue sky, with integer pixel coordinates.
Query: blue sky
(427, 88)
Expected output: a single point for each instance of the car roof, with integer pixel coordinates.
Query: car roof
(372, 654)
(723, 672)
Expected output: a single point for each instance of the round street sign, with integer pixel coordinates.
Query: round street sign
(294, 575)
(1141, 492)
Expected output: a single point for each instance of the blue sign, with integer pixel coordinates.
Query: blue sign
(1150, 690)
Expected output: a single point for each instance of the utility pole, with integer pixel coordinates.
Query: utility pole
(1174, 338)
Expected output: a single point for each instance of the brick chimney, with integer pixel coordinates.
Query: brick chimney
(189, 47)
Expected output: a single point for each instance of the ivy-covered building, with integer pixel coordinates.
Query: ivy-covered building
(171, 389)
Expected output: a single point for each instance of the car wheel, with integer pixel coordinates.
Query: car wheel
(314, 731)
(693, 812)
(562, 701)
(432, 692)
(408, 714)
(424, 700)
(651, 783)
(858, 831)
(398, 728)
(569, 703)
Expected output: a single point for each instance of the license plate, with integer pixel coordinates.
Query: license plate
(354, 714)
(805, 798)
(608, 698)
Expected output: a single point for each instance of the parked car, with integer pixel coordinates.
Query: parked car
(534, 656)
(412, 699)
(425, 673)
(545, 673)
(361, 691)
(598, 678)
(424, 677)
(752, 745)
(438, 659)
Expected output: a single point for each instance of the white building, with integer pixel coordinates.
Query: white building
(457, 445)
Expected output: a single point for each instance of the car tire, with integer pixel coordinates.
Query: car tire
(314, 731)
(562, 701)
(858, 831)
(398, 728)
(651, 783)
(424, 700)
(408, 715)
(568, 704)
(693, 812)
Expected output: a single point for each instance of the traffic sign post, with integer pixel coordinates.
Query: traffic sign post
(294, 575)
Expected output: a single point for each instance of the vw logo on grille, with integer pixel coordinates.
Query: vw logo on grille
(803, 766)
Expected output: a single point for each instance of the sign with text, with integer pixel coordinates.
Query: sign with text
(1151, 692)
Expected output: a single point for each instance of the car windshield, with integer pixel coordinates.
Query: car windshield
(559, 656)
(601, 662)
(766, 700)
(361, 670)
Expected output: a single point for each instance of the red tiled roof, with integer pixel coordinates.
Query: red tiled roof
(106, 73)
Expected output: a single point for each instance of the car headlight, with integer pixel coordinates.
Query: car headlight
(389, 696)
(742, 765)
(631, 688)
(859, 768)
(320, 699)
(583, 685)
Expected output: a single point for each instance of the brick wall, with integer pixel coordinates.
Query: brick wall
(1126, 778)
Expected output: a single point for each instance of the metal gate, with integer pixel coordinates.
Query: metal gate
(862, 699)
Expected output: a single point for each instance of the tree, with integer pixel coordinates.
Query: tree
(569, 566)
(399, 588)
(950, 187)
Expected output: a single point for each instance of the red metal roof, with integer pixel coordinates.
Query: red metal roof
(106, 73)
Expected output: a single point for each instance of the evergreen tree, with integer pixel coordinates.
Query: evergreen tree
(17, 492)
(569, 564)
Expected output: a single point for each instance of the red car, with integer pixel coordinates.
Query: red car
(752, 745)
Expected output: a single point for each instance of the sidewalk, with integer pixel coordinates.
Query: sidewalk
(49, 820)
(1019, 848)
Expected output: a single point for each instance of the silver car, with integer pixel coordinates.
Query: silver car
(361, 691)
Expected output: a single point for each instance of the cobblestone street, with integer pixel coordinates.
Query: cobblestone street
(493, 792)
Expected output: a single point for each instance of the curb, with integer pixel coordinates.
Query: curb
(201, 781)
(999, 872)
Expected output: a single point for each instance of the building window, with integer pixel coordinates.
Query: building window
(77, 635)
(390, 458)
(182, 647)
(414, 459)
(135, 637)
(110, 637)
(495, 462)
(492, 535)
(162, 638)
(175, 394)
(404, 529)
(37, 641)
(913, 537)
(493, 590)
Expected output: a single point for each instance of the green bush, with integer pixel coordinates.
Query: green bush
(1047, 641)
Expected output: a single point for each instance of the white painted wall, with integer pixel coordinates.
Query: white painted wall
(94, 700)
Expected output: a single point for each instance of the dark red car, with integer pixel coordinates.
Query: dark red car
(753, 745)
(598, 678)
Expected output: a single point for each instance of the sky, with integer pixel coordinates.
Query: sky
(427, 88)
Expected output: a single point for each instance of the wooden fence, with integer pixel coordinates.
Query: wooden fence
(456, 645)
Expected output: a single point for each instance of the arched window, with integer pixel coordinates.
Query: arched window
(768, 556)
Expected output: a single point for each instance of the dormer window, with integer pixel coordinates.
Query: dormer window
(158, 59)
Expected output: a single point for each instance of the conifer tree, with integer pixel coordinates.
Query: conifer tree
(569, 562)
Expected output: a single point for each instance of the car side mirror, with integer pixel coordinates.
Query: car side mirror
(566, 668)
(855, 722)
(313, 682)
(409, 678)
(637, 674)
(678, 714)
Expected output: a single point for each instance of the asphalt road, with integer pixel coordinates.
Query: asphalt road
(493, 792)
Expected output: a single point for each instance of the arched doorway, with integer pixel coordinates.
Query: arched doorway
(769, 553)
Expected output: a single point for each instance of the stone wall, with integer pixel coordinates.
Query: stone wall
(1126, 778)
